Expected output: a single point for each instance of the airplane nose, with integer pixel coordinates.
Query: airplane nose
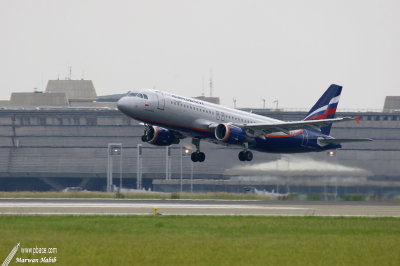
(122, 104)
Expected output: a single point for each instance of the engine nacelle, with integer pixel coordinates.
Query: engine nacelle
(230, 134)
(160, 136)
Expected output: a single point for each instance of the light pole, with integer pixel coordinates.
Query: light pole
(139, 167)
(168, 163)
(114, 150)
(276, 106)
(191, 176)
(120, 171)
(183, 153)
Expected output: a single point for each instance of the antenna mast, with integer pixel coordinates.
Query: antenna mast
(70, 73)
(277, 102)
(202, 86)
(211, 83)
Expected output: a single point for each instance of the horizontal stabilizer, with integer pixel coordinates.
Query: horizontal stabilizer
(331, 141)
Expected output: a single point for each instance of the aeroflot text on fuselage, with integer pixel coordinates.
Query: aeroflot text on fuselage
(186, 99)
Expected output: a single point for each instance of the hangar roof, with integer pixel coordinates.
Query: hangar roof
(74, 89)
(28, 99)
(392, 103)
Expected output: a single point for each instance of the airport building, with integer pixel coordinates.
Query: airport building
(59, 138)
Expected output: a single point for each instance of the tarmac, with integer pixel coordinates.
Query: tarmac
(24, 206)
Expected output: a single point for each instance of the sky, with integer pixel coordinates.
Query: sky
(289, 50)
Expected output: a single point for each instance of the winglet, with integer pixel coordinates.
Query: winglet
(358, 119)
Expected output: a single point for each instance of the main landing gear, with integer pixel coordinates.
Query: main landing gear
(197, 156)
(245, 155)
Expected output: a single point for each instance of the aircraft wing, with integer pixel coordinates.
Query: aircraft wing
(261, 129)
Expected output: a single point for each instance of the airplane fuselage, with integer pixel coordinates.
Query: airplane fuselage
(197, 119)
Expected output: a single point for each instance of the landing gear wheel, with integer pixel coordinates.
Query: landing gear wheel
(241, 156)
(248, 156)
(245, 156)
(144, 138)
(201, 156)
(198, 156)
(194, 157)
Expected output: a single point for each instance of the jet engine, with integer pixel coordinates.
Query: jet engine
(159, 136)
(230, 134)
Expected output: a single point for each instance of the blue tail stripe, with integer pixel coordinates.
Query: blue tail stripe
(327, 108)
(333, 105)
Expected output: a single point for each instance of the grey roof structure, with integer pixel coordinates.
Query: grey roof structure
(27, 99)
(392, 103)
(74, 89)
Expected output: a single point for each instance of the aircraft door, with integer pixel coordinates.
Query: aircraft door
(161, 101)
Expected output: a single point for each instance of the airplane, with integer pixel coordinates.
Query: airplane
(168, 118)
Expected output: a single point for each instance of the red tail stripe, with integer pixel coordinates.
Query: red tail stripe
(330, 111)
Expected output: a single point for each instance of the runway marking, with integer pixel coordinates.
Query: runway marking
(144, 205)
(180, 214)
(193, 208)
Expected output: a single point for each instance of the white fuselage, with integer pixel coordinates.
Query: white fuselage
(183, 114)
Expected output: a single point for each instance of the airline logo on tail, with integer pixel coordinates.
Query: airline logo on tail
(325, 112)
(326, 107)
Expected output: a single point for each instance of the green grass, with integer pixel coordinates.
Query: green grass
(205, 240)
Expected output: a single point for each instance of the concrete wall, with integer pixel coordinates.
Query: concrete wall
(72, 143)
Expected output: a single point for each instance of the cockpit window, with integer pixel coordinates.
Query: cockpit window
(135, 94)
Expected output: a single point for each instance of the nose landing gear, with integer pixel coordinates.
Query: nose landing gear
(245, 155)
(197, 156)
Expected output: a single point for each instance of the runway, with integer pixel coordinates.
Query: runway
(196, 207)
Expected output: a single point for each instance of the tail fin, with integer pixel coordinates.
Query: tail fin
(326, 106)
